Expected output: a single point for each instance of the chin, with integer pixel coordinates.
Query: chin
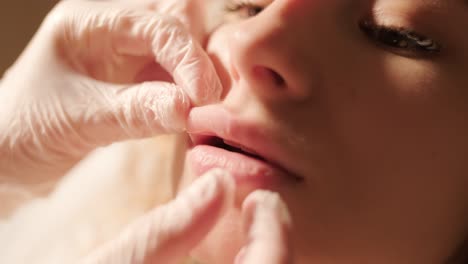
(223, 243)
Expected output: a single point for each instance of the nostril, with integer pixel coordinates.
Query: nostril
(278, 79)
(270, 75)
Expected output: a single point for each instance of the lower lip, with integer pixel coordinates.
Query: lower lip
(248, 172)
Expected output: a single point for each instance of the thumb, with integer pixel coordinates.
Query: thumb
(268, 225)
(121, 112)
(167, 234)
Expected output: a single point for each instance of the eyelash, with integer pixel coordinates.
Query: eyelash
(400, 40)
(237, 6)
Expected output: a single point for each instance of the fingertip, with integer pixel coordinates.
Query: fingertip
(266, 215)
(240, 256)
(229, 185)
(266, 202)
(173, 110)
(226, 180)
(267, 225)
(214, 184)
(149, 109)
(188, 219)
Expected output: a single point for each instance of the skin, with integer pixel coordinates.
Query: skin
(378, 134)
(109, 74)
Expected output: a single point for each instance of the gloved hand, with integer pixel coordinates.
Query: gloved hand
(167, 234)
(98, 72)
(268, 228)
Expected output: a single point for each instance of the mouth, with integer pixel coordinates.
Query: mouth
(250, 169)
(227, 145)
(244, 148)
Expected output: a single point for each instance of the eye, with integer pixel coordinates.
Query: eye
(402, 41)
(244, 9)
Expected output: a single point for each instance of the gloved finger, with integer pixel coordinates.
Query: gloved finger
(120, 112)
(89, 29)
(268, 226)
(167, 234)
(192, 13)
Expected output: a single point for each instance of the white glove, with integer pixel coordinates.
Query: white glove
(167, 234)
(268, 228)
(99, 72)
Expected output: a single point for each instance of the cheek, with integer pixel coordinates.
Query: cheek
(390, 119)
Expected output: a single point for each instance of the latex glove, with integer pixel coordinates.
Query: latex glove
(98, 72)
(268, 228)
(167, 234)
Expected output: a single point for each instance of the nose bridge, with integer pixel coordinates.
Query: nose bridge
(265, 53)
(257, 38)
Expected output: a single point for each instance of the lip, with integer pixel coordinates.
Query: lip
(260, 168)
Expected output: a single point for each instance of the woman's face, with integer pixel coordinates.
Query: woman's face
(365, 103)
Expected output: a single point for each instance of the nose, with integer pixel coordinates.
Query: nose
(264, 59)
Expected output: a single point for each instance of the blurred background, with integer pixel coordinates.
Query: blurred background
(19, 19)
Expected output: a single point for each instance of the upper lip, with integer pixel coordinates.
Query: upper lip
(214, 121)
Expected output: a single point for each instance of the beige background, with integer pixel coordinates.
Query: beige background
(19, 19)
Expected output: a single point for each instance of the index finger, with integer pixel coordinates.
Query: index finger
(175, 42)
(167, 234)
(268, 225)
(135, 31)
